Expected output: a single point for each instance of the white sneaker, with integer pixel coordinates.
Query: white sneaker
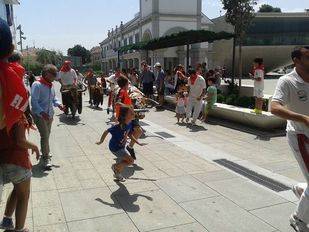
(298, 225)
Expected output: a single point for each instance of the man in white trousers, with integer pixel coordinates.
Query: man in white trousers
(197, 90)
(291, 102)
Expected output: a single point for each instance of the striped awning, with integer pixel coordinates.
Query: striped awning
(12, 2)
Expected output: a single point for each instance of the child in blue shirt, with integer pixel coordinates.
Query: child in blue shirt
(117, 144)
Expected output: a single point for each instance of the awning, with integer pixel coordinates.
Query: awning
(12, 2)
(179, 39)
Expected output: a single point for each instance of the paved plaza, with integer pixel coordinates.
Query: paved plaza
(174, 185)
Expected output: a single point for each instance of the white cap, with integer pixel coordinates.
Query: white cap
(158, 65)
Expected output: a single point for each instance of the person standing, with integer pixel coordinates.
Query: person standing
(160, 84)
(15, 165)
(112, 81)
(197, 90)
(291, 102)
(42, 101)
(258, 77)
(67, 75)
(147, 80)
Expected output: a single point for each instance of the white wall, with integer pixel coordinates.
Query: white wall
(178, 7)
(2, 10)
(167, 25)
(146, 7)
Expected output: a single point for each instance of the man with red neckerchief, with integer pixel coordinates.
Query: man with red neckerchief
(43, 101)
(197, 90)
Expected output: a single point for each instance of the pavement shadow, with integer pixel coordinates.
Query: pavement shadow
(196, 128)
(95, 108)
(129, 199)
(67, 120)
(38, 171)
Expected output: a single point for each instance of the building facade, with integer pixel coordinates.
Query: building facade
(7, 13)
(156, 18)
(272, 36)
(96, 55)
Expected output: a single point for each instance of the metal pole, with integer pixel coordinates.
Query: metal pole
(233, 64)
(118, 59)
(188, 56)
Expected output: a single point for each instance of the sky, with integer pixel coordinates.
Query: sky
(61, 24)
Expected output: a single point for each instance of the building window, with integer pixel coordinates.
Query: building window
(136, 38)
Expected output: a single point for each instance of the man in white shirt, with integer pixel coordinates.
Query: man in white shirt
(112, 81)
(291, 102)
(197, 90)
(67, 75)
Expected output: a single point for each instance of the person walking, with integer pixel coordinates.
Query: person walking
(197, 90)
(291, 102)
(42, 101)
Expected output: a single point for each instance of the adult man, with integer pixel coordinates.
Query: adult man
(258, 77)
(42, 101)
(197, 90)
(147, 79)
(112, 80)
(160, 83)
(291, 102)
(67, 75)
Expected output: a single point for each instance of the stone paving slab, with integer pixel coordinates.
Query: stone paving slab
(169, 188)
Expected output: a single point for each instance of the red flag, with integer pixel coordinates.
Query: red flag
(15, 96)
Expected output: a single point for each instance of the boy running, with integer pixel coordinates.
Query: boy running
(117, 144)
(291, 102)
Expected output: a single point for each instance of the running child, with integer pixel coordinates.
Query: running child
(117, 144)
(181, 100)
(210, 98)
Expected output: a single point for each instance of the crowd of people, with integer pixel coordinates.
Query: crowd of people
(196, 94)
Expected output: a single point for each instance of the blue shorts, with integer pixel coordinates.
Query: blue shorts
(121, 153)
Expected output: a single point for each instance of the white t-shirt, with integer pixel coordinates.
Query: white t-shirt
(259, 74)
(293, 92)
(196, 90)
(113, 82)
(68, 78)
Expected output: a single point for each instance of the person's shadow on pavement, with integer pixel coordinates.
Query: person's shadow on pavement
(129, 200)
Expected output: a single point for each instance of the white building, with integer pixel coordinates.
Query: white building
(7, 13)
(157, 18)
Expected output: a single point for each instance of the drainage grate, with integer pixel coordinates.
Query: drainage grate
(141, 123)
(165, 135)
(258, 178)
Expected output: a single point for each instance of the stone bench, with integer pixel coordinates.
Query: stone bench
(241, 115)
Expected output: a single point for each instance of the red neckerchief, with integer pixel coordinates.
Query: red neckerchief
(260, 67)
(193, 79)
(45, 82)
(20, 70)
(66, 67)
(14, 93)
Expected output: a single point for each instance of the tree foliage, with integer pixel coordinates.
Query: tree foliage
(49, 57)
(240, 14)
(80, 51)
(265, 8)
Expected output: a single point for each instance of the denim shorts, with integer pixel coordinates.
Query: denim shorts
(121, 153)
(10, 173)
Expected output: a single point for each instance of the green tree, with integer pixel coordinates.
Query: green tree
(49, 57)
(80, 51)
(240, 14)
(265, 8)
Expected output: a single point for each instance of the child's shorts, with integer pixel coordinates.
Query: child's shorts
(121, 153)
(14, 174)
(181, 110)
(207, 108)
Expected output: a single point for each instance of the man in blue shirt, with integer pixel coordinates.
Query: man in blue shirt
(43, 99)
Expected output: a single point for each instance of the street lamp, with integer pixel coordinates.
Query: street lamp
(21, 37)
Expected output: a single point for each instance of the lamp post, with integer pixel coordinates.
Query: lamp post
(21, 37)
